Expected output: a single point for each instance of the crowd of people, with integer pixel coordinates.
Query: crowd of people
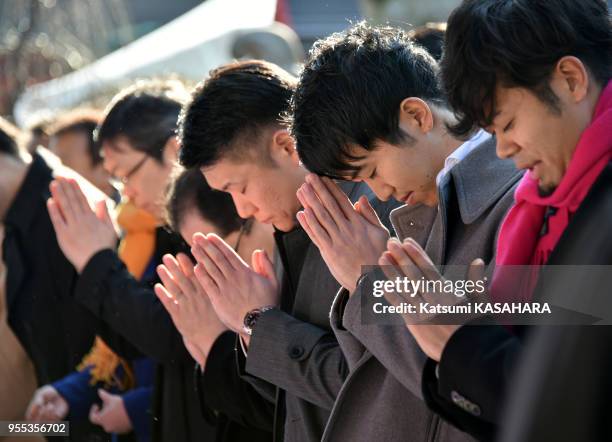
(197, 265)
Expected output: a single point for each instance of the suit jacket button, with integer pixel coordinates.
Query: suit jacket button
(295, 352)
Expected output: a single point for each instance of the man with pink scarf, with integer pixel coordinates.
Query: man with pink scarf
(536, 74)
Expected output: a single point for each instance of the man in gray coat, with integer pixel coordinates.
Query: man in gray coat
(368, 108)
(232, 130)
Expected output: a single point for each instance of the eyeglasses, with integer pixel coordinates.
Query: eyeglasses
(126, 178)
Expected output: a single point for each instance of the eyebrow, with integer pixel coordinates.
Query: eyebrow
(493, 117)
(353, 174)
(225, 186)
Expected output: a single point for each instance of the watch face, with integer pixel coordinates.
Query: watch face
(251, 318)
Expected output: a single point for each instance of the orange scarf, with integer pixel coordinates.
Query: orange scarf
(135, 250)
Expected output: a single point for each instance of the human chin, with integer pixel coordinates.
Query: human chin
(545, 186)
(154, 209)
(548, 179)
(285, 223)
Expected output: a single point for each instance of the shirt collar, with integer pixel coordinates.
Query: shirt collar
(461, 152)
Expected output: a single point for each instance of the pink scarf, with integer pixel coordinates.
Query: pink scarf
(519, 242)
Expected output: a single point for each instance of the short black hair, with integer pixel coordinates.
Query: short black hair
(431, 37)
(82, 121)
(517, 43)
(349, 93)
(229, 110)
(9, 136)
(146, 114)
(189, 190)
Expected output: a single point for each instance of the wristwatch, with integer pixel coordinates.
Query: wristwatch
(251, 318)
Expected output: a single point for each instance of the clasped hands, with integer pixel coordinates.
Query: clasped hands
(220, 279)
(214, 295)
(80, 230)
(351, 236)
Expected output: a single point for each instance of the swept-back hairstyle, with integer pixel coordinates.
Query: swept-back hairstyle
(228, 111)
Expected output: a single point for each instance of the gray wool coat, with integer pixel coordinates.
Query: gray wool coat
(381, 398)
(294, 359)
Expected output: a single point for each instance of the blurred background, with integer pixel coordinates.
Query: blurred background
(56, 55)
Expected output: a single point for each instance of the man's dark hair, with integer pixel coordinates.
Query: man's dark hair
(517, 43)
(189, 190)
(146, 114)
(431, 37)
(9, 136)
(82, 121)
(349, 93)
(229, 111)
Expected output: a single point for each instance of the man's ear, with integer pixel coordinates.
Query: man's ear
(571, 78)
(171, 148)
(282, 146)
(415, 116)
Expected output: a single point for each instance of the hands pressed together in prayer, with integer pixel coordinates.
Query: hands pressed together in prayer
(351, 236)
(347, 236)
(232, 286)
(408, 259)
(188, 305)
(81, 231)
(216, 294)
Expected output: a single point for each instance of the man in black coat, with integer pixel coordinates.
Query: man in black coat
(536, 74)
(139, 146)
(55, 331)
(52, 328)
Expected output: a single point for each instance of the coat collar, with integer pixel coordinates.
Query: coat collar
(479, 180)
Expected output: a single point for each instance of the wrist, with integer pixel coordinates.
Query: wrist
(205, 341)
(246, 339)
(81, 263)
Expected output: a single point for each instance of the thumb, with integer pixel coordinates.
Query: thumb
(476, 272)
(105, 396)
(94, 414)
(263, 265)
(366, 210)
(102, 213)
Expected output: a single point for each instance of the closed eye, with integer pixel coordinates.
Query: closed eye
(373, 174)
(509, 125)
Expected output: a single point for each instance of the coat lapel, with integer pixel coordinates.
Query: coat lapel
(481, 179)
(476, 182)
